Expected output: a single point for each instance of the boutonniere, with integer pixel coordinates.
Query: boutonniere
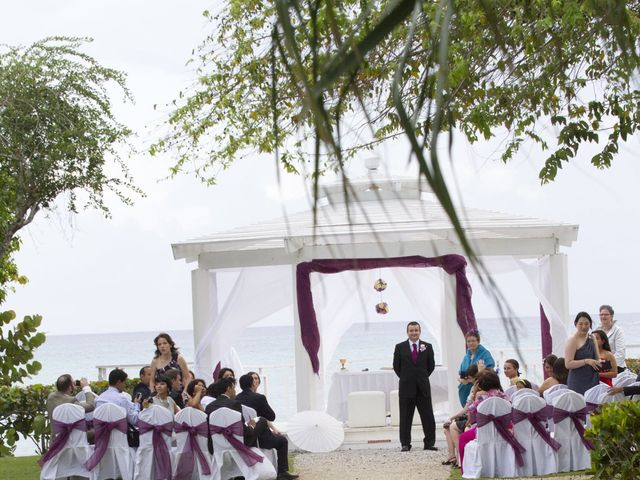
(423, 347)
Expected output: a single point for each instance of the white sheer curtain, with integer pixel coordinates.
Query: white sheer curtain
(257, 293)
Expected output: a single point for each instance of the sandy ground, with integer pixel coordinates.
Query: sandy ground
(380, 464)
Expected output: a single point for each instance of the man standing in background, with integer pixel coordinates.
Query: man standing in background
(413, 362)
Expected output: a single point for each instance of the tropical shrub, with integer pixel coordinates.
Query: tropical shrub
(23, 414)
(633, 364)
(615, 433)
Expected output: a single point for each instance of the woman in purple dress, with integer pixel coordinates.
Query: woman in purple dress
(581, 356)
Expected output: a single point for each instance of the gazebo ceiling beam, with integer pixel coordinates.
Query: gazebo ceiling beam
(528, 248)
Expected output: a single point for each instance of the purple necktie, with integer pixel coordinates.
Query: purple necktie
(414, 353)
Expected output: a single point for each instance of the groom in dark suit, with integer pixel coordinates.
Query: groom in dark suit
(413, 362)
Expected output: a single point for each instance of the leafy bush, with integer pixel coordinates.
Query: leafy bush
(615, 433)
(23, 413)
(633, 364)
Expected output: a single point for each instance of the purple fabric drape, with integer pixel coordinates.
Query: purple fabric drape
(103, 432)
(161, 457)
(578, 418)
(62, 432)
(451, 264)
(536, 419)
(184, 470)
(249, 456)
(502, 426)
(545, 334)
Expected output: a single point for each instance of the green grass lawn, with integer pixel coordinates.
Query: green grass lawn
(19, 468)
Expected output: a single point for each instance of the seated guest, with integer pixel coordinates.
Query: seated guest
(64, 394)
(175, 379)
(457, 422)
(511, 369)
(267, 438)
(224, 392)
(521, 383)
(225, 373)
(162, 396)
(488, 386)
(559, 374)
(609, 366)
(113, 394)
(208, 396)
(196, 390)
(142, 388)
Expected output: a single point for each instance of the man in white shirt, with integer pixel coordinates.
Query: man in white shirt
(614, 334)
(113, 394)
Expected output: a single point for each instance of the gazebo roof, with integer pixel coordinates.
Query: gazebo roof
(380, 218)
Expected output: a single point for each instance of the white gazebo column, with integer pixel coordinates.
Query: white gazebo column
(557, 291)
(205, 310)
(309, 386)
(453, 344)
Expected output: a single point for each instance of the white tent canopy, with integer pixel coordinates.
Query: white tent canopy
(386, 218)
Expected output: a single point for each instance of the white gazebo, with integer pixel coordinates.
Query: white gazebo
(382, 218)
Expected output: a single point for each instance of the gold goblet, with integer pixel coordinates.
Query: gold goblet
(342, 362)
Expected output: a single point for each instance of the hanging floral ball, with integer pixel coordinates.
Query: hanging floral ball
(380, 285)
(382, 308)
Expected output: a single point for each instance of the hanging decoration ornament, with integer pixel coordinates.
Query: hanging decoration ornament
(380, 285)
(382, 308)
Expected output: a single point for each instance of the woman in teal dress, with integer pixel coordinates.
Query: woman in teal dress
(475, 353)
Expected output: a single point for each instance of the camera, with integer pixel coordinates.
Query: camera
(77, 383)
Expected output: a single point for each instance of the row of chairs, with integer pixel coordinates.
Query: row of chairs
(156, 457)
(547, 435)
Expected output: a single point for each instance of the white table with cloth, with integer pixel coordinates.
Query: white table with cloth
(385, 380)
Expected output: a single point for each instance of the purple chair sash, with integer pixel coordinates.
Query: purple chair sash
(578, 417)
(248, 455)
(536, 419)
(103, 432)
(161, 457)
(502, 426)
(184, 471)
(62, 432)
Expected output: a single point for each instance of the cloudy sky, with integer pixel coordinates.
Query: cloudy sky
(90, 274)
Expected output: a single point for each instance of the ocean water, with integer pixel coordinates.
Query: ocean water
(270, 350)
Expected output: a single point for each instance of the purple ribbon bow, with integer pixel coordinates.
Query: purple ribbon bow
(62, 432)
(184, 471)
(248, 455)
(578, 417)
(161, 457)
(536, 419)
(502, 426)
(103, 432)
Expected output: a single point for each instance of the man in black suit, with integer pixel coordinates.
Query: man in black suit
(413, 362)
(268, 438)
(224, 391)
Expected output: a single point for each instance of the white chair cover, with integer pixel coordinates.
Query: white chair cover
(624, 379)
(118, 458)
(524, 392)
(551, 392)
(70, 460)
(510, 390)
(228, 462)
(573, 455)
(144, 466)
(539, 458)
(192, 417)
(248, 413)
(492, 455)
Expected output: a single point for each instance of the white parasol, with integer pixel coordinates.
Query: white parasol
(315, 431)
